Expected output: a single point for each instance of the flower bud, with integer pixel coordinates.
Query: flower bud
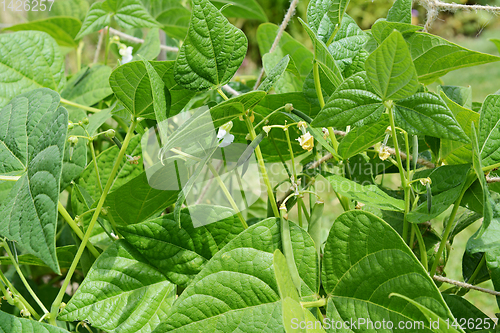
(85, 121)
(288, 107)
(73, 140)
(70, 125)
(110, 133)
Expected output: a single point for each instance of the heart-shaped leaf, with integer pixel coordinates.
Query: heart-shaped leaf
(355, 102)
(32, 144)
(390, 69)
(212, 51)
(127, 13)
(29, 60)
(181, 253)
(132, 296)
(365, 260)
(426, 113)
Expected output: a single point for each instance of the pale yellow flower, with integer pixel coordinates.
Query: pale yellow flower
(306, 141)
(384, 153)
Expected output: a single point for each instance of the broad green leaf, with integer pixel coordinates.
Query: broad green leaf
(160, 97)
(299, 54)
(89, 86)
(324, 57)
(105, 160)
(248, 9)
(443, 178)
(460, 95)
(274, 74)
(132, 86)
(32, 143)
(426, 113)
(439, 203)
(136, 201)
(325, 16)
(172, 16)
(361, 138)
(347, 43)
(390, 69)
(214, 302)
(365, 260)
(29, 60)
(71, 8)
(354, 103)
(462, 308)
(434, 56)
(440, 325)
(382, 29)
(212, 51)
(454, 152)
(121, 293)
(489, 130)
(150, 49)
(358, 64)
(369, 195)
(62, 29)
(400, 12)
(181, 253)
(12, 324)
(97, 119)
(127, 13)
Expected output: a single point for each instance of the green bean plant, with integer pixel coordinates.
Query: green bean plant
(139, 194)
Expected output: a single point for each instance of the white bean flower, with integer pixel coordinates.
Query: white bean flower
(126, 53)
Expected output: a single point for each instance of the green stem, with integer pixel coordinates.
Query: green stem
(64, 213)
(107, 44)
(421, 246)
(21, 275)
(94, 161)
(262, 168)
(83, 107)
(228, 195)
(79, 55)
(219, 90)
(449, 225)
(294, 171)
(389, 108)
(477, 270)
(314, 304)
(335, 143)
(10, 178)
(491, 167)
(57, 302)
(18, 296)
(304, 209)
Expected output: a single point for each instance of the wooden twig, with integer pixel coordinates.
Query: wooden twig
(99, 46)
(465, 285)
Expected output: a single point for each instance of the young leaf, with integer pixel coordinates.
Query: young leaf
(353, 103)
(361, 138)
(434, 56)
(12, 324)
(390, 69)
(347, 43)
(89, 86)
(254, 301)
(364, 261)
(127, 13)
(32, 143)
(274, 74)
(181, 253)
(172, 16)
(248, 9)
(369, 195)
(136, 201)
(400, 12)
(62, 29)
(29, 60)
(489, 130)
(212, 51)
(426, 113)
(132, 296)
(325, 17)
